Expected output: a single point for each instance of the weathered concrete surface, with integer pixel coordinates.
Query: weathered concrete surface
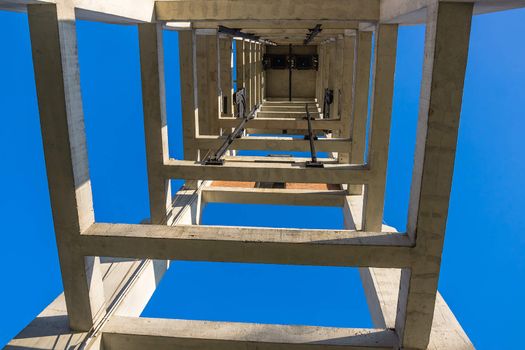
(249, 245)
(57, 76)
(143, 333)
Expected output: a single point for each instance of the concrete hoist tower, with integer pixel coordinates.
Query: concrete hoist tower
(302, 68)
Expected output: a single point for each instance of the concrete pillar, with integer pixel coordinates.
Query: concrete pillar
(346, 101)
(155, 123)
(360, 104)
(226, 80)
(57, 76)
(188, 89)
(251, 61)
(207, 84)
(445, 61)
(381, 113)
(240, 65)
(337, 76)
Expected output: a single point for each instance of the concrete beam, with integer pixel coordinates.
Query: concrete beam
(57, 76)
(274, 144)
(240, 66)
(446, 51)
(115, 11)
(189, 94)
(227, 10)
(360, 105)
(267, 172)
(225, 77)
(347, 47)
(273, 196)
(248, 245)
(288, 114)
(208, 84)
(283, 123)
(380, 117)
(276, 159)
(381, 287)
(272, 24)
(163, 334)
(155, 123)
(408, 12)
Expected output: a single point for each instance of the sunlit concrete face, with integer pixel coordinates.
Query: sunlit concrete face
(326, 103)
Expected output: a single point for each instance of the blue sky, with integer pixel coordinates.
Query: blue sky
(483, 266)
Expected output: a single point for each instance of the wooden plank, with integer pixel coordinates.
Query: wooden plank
(446, 51)
(381, 113)
(360, 105)
(226, 10)
(140, 333)
(248, 245)
(57, 76)
(267, 172)
(155, 123)
(189, 95)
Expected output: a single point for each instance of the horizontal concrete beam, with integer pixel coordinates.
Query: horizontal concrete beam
(248, 245)
(274, 144)
(163, 334)
(293, 108)
(273, 196)
(266, 172)
(283, 123)
(114, 11)
(227, 10)
(408, 12)
(250, 26)
(287, 114)
(277, 159)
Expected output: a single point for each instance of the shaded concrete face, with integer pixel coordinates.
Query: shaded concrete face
(103, 297)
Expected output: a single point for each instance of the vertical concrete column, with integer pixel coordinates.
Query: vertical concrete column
(189, 95)
(155, 122)
(332, 48)
(207, 83)
(57, 76)
(225, 70)
(240, 65)
(445, 60)
(247, 72)
(263, 75)
(360, 105)
(326, 71)
(319, 75)
(258, 73)
(381, 113)
(347, 46)
(337, 75)
(251, 61)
